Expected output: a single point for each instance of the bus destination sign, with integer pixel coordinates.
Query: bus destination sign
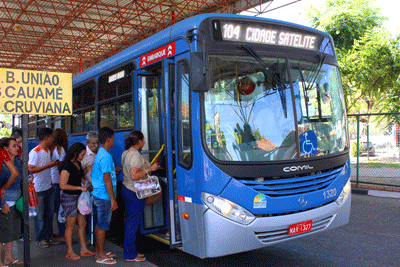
(266, 34)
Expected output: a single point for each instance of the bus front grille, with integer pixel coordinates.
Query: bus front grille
(282, 234)
(277, 187)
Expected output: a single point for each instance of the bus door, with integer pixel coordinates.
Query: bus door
(169, 75)
(148, 116)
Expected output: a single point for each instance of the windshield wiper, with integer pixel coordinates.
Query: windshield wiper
(304, 90)
(281, 86)
(316, 72)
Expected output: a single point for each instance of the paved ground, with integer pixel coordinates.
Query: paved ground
(372, 218)
(55, 255)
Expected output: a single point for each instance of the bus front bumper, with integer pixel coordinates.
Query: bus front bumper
(224, 237)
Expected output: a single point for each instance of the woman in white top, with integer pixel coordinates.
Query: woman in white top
(135, 167)
(60, 146)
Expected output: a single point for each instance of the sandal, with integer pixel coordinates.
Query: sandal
(88, 254)
(14, 262)
(138, 259)
(74, 258)
(106, 261)
(110, 254)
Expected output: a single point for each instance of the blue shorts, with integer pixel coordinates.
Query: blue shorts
(102, 212)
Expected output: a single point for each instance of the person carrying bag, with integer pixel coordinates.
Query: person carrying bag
(149, 188)
(71, 178)
(135, 168)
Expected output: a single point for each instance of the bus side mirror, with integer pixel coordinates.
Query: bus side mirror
(198, 81)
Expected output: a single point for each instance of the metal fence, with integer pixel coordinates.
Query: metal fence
(374, 150)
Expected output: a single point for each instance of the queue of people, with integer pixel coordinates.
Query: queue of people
(60, 175)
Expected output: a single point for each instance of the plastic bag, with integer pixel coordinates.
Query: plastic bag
(61, 219)
(33, 199)
(84, 203)
(147, 187)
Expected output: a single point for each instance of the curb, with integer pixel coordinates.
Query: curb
(376, 193)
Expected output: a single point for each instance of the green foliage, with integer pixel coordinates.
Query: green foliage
(368, 55)
(4, 132)
(345, 20)
(370, 71)
(353, 148)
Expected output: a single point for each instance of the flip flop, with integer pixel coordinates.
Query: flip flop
(110, 254)
(88, 254)
(138, 259)
(72, 258)
(106, 261)
(15, 262)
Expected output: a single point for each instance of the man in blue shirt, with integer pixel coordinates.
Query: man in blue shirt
(104, 181)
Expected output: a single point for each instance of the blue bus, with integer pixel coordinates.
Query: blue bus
(252, 115)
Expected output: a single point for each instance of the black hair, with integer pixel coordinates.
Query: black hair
(44, 132)
(104, 134)
(73, 151)
(16, 132)
(5, 142)
(133, 138)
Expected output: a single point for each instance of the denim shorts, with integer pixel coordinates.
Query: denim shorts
(102, 212)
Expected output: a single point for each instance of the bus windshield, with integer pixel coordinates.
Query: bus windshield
(251, 110)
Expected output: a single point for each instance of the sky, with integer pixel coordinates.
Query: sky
(292, 12)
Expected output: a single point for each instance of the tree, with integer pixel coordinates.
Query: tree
(345, 20)
(4, 132)
(368, 55)
(370, 72)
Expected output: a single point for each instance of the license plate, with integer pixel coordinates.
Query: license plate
(300, 227)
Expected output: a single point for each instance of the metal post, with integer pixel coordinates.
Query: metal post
(358, 149)
(368, 147)
(25, 185)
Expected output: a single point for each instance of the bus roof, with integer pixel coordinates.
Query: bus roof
(160, 38)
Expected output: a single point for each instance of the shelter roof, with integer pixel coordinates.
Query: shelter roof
(70, 36)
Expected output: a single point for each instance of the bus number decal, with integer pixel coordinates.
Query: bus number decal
(329, 193)
(231, 31)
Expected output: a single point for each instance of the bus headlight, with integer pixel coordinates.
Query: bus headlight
(227, 209)
(344, 194)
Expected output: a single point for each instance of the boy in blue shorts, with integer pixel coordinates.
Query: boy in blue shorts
(104, 181)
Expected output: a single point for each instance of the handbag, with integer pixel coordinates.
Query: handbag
(147, 187)
(33, 199)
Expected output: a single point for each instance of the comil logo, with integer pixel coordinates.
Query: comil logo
(297, 168)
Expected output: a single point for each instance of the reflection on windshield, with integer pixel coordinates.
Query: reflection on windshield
(249, 114)
(320, 108)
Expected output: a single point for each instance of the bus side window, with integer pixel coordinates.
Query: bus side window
(32, 127)
(61, 122)
(83, 102)
(183, 116)
(115, 98)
